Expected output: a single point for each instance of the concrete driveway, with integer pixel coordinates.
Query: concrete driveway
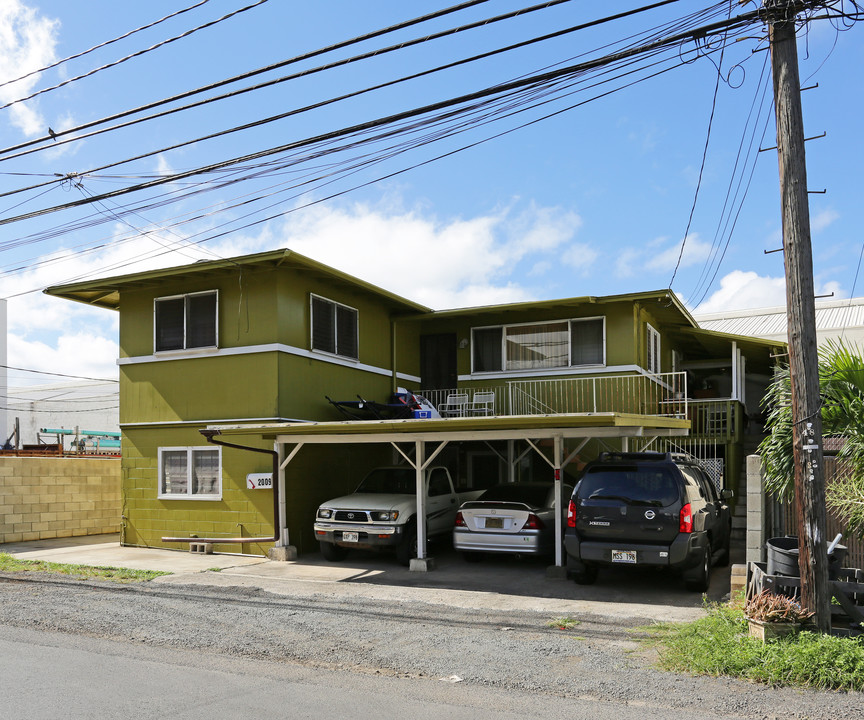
(498, 583)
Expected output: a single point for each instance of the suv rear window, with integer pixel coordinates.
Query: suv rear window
(637, 485)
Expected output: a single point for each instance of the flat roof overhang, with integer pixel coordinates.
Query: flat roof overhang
(510, 427)
(529, 428)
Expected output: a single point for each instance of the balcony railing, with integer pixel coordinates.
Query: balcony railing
(661, 395)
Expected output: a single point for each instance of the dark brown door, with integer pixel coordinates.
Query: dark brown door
(438, 361)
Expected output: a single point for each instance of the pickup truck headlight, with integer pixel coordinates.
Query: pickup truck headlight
(385, 515)
(325, 513)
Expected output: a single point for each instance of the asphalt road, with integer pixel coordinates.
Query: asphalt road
(50, 675)
(83, 649)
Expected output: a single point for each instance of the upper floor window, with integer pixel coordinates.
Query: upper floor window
(185, 321)
(190, 473)
(539, 346)
(653, 350)
(334, 328)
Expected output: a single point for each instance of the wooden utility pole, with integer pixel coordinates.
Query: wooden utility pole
(801, 311)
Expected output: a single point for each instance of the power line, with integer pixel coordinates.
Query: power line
(43, 372)
(704, 158)
(258, 71)
(103, 44)
(133, 55)
(330, 101)
(500, 89)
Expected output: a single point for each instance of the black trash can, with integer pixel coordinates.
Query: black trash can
(783, 557)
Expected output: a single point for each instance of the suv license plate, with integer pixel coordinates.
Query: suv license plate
(624, 556)
(355, 537)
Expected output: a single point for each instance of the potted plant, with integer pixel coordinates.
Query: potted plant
(770, 616)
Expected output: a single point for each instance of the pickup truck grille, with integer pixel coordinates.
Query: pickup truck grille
(357, 516)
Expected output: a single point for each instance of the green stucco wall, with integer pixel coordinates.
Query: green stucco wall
(317, 473)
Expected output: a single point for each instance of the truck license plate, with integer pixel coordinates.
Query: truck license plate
(353, 537)
(624, 556)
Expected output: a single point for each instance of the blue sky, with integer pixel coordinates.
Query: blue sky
(592, 201)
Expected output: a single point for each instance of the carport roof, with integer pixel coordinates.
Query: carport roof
(510, 427)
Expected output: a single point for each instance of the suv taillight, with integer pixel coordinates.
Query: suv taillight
(685, 523)
(533, 523)
(460, 521)
(571, 514)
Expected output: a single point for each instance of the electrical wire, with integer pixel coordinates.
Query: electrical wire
(43, 372)
(133, 55)
(704, 159)
(258, 71)
(58, 63)
(499, 89)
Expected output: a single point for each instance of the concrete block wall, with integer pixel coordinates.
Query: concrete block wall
(756, 517)
(45, 497)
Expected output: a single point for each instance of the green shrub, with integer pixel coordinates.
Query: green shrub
(718, 644)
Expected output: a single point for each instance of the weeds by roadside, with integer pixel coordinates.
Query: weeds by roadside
(563, 623)
(718, 644)
(9, 563)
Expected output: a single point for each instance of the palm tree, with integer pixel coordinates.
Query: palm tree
(841, 382)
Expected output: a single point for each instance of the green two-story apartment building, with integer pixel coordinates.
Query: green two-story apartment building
(271, 338)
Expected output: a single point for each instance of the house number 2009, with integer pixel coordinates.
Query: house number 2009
(259, 481)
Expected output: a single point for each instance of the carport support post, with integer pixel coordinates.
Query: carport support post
(420, 459)
(558, 458)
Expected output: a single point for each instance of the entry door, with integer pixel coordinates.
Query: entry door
(438, 361)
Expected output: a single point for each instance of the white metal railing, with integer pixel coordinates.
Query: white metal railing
(663, 394)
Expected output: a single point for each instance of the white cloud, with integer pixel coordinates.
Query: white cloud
(458, 263)
(660, 256)
(80, 353)
(27, 42)
(823, 219)
(454, 263)
(579, 256)
(740, 290)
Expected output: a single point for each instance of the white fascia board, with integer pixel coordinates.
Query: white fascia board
(269, 348)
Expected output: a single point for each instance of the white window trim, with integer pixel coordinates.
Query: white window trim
(188, 496)
(515, 373)
(313, 349)
(184, 349)
(653, 334)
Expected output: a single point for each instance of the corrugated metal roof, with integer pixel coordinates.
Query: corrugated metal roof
(771, 322)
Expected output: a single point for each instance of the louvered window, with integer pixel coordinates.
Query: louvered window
(185, 321)
(334, 328)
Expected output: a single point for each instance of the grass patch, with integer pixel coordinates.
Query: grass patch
(9, 563)
(563, 623)
(718, 644)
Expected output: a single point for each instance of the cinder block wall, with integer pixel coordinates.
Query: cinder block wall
(58, 497)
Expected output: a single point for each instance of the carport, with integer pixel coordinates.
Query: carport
(428, 438)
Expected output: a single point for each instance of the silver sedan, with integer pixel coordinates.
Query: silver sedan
(509, 518)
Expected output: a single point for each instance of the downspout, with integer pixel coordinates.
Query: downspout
(210, 436)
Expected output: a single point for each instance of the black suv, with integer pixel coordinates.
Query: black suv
(652, 509)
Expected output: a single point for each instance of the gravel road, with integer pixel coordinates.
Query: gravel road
(599, 659)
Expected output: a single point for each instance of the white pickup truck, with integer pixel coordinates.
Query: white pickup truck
(382, 513)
